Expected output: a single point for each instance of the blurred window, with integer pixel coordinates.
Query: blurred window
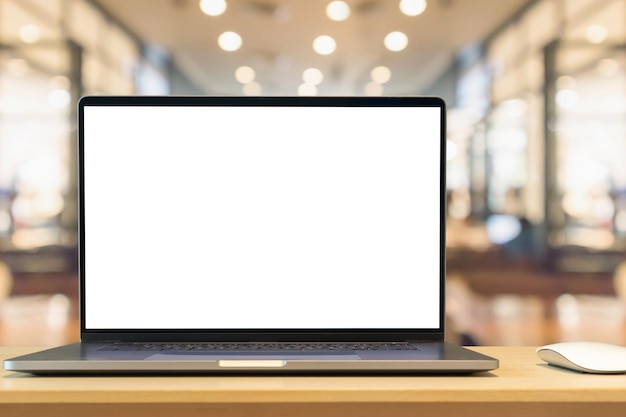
(44, 41)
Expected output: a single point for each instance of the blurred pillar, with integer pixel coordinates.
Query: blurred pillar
(551, 200)
(69, 217)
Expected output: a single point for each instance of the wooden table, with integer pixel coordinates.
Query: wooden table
(523, 386)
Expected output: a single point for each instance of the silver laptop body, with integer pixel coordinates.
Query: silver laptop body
(266, 234)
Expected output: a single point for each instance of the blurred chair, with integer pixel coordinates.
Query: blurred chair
(39, 320)
(31, 319)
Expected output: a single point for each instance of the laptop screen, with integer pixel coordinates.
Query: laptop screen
(228, 213)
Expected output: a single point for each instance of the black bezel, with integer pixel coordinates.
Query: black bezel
(199, 335)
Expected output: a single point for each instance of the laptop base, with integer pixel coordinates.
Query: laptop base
(89, 358)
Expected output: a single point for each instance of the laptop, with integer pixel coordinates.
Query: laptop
(225, 235)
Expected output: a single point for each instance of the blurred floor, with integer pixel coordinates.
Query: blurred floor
(532, 320)
(504, 298)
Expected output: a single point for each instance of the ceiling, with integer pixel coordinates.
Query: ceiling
(278, 36)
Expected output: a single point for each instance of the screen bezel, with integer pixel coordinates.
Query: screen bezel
(184, 335)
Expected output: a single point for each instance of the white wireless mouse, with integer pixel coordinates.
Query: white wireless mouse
(589, 357)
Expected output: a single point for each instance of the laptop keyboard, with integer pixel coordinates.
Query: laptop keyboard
(251, 347)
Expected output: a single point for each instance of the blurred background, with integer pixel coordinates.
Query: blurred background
(536, 92)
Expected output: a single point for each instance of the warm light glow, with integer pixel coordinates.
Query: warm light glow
(29, 33)
(596, 33)
(229, 41)
(381, 74)
(583, 175)
(312, 76)
(513, 108)
(245, 74)
(49, 204)
(59, 98)
(42, 174)
(338, 11)
(213, 7)
(567, 98)
(396, 41)
(412, 7)
(576, 204)
(324, 45)
(307, 90)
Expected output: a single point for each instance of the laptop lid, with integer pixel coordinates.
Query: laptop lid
(266, 218)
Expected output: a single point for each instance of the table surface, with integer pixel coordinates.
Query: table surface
(523, 385)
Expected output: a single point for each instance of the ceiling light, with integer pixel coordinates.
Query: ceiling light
(59, 98)
(596, 33)
(229, 41)
(312, 76)
(307, 90)
(396, 41)
(381, 74)
(374, 89)
(514, 108)
(567, 98)
(324, 45)
(338, 11)
(213, 7)
(252, 89)
(412, 7)
(29, 33)
(245, 74)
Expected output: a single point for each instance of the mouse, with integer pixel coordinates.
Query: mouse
(587, 357)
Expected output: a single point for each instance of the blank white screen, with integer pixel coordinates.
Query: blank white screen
(261, 217)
